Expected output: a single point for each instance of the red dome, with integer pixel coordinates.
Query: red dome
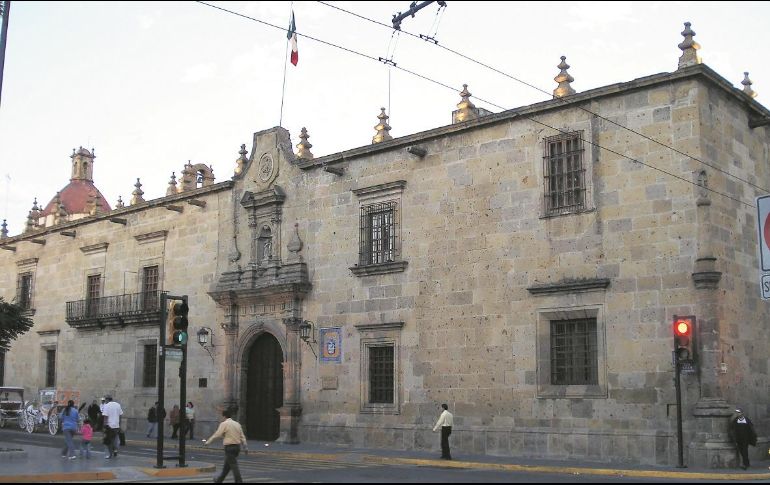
(75, 197)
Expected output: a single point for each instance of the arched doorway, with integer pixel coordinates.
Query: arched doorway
(264, 389)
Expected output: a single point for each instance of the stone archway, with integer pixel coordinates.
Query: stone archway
(264, 388)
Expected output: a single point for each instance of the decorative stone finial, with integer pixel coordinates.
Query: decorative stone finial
(3, 230)
(137, 193)
(30, 225)
(172, 190)
(35, 213)
(120, 203)
(466, 110)
(689, 48)
(304, 146)
(382, 128)
(564, 80)
(60, 214)
(241, 162)
(747, 85)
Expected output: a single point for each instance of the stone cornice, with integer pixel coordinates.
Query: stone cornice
(26, 262)
(95, 248)
(377, 189)
(106, 216)
(151, 237)
(576, 286)
(46, 333)
(368, 327)
(699, 70)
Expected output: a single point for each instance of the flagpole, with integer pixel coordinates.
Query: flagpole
(283, 89)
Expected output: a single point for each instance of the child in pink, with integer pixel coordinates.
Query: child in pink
(88, 433)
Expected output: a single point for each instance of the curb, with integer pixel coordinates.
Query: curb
(570, 470)
(178, 472)
(58, 477)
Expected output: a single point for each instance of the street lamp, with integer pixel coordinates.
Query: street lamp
(306, 333)
(203, 336)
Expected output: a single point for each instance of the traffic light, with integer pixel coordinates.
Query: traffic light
(684, 338)
(177, 323)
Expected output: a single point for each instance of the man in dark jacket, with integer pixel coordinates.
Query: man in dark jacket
(95, 415)
(742, 433)
(154, 414)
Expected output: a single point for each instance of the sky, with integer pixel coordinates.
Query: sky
(151, 85)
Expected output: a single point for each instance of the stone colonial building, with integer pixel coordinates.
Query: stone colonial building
(524, 267)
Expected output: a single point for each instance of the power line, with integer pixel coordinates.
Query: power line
(331, 44)
(563, 100)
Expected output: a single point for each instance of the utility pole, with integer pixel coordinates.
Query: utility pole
(5, 10)
(413, 9)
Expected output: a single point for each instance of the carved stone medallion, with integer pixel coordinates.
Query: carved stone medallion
(266, 168)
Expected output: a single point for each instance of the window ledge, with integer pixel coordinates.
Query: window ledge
(551, 391)
(382, 268)
(379, 408)
(574, 212)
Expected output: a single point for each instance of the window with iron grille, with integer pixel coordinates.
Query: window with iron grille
(379, 233)
(574, 359)
(150, 287)
(564, 174)
(381, 378)
(50, 368)
(150, 367)
(24, 291)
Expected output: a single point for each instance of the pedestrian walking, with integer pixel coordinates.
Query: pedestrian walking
(741, 431)
(112, 412)
(154, 415)
(174, 420)
(87, 433)
(232, 436)
(69, 425)
(190, 415)
(445, 421)
(94, 415)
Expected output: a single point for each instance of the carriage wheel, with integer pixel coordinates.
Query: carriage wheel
(30, 423)
(53, 423)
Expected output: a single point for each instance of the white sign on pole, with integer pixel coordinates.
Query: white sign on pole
(763, 223)
(174, 354)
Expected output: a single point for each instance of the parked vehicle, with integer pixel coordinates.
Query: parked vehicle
(44, 412)
(11, 406)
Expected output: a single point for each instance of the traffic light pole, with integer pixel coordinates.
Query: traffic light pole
(161, 376)
(183, 399)
(680, 448)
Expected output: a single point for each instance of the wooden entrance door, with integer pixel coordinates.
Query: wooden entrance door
(264, 389)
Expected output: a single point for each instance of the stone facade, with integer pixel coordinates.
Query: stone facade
(464, 302)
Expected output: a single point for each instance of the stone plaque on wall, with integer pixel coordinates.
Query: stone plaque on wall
(329, 382)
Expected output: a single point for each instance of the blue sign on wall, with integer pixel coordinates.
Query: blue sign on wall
(331, 344)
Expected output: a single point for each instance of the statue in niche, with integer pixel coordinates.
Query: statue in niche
(267, 251)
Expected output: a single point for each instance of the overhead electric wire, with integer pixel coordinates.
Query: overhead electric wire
(331, 44)
(563, 100)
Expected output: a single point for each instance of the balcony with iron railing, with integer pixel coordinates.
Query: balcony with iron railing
(122, 310)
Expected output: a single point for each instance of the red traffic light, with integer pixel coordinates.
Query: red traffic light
(683, 328)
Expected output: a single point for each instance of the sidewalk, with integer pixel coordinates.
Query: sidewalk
(45, 464)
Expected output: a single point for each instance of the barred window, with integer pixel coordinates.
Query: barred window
(150, 367)
(50, 368)
(150, 287)
(381, 377)
(379, 239)
(564, 174)
(574, 358)
(24, 291)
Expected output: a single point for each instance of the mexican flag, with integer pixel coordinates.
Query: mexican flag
(292, 36)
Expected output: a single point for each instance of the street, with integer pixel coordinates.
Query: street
(264, 465)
